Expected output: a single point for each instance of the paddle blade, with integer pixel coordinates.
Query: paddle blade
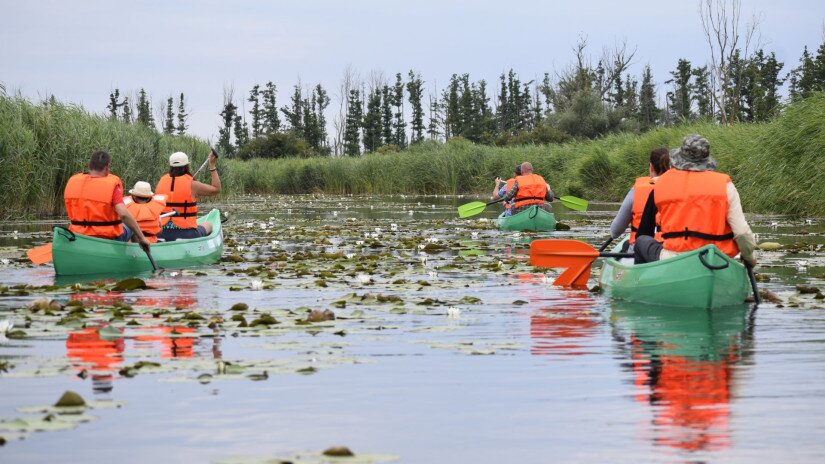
(41, 254)
(471, 209)
(574, 203)
(573, 255)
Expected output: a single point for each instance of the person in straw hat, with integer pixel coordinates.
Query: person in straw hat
(146, 208)
(695, 206)
(182, 193)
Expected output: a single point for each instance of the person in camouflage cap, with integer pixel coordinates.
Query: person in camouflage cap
(693, 155)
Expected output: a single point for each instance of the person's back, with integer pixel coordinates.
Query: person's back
(500, 190)
(632, 207)
(89, 204)
(182, 193)
(146, 208)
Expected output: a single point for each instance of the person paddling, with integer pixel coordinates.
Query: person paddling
(146, 208)
(500, 190)
(529, 189)
(696, 206)
(182, 193)
(630, 213)
(94, 203)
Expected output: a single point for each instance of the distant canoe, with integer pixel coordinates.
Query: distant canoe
(533, 218)
(76, 254)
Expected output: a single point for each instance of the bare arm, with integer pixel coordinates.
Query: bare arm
(214, 188)
(496, 188)
(129, 220)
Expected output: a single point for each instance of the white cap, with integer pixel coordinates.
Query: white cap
(142, 189)
(178, 158)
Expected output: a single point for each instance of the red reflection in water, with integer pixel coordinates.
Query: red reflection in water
(691, 397)
(169, 341)
(86, 347)
(565, 327)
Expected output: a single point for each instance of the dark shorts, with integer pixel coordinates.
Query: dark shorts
(647, 249)
(170, 235)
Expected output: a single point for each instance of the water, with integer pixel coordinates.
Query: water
(481, 360)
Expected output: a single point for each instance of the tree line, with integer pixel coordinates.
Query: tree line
(582, 101)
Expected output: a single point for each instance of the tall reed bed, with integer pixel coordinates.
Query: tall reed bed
(42, 145)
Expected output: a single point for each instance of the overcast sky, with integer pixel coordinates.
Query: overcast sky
(81, 50)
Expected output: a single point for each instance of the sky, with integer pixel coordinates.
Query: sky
(80, 51)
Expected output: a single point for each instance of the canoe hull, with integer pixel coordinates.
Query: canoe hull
(683, 280)
(534, 219)
(76, 254)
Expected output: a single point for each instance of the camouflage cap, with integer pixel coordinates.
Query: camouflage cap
(693, 155)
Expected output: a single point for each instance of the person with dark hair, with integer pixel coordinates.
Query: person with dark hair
(500, 190)
(630, 213)
(529, 189)
(182, 192)
(94, 203)
(694, 206)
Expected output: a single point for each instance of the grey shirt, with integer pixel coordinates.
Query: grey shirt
(624, 217)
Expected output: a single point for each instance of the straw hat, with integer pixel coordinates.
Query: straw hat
(178, 158)
(142, 189)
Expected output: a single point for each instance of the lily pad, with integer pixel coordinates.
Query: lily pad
(127, 285)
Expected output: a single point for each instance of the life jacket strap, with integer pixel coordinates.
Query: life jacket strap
(96, 223)
(701, 235)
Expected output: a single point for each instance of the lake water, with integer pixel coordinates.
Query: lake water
(447, 346)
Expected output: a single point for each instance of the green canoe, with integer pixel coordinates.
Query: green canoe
(533, 218)
(702, 278)
(76, 254)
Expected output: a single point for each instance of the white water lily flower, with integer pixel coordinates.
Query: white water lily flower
(801, 265)
(262, 225)
(275, 242)
(250, 225)
(516, 234)
(432, 239)
(366, 235)
(453, 312)
(394, 227)
(809, 222)
(410, 212)
(374, 235)
(423, 259)
(359, 242)
(256, 284)
(433, 274)
(364, 278)
(432, 206)
(240, 248)
(291, 227)
(174, 274)
(483, 220)
(288, 211)
(335, 213)
(774, 225)
(5, 326)
(421, 246)
(5, 261)
(474, 234)
(350, 255)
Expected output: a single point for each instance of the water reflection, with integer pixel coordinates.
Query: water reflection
(567, 326)
(682, 364)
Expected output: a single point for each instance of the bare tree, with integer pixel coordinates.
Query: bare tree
(724, 33)
(348, 82)
(615, 62)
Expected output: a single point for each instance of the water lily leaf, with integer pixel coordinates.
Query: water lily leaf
(127, 285)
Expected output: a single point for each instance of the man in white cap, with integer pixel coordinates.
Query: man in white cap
(146, 208)
(182, 193)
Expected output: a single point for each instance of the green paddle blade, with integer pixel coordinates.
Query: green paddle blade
(471, 209)
(574, 203)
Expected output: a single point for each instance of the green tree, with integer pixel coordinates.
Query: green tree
(144, 110)
(182, 115)
(648, 111)
(386, 115)
(256, 113)
(399, 126)
(127, 111)
(114, 104)
(352, 131)
(294, 113)
(241, 131)
(372, 122)
(228, 118)
(271, 121)
(680, 98)
(702, 92)
(436, 118)
(415, 91)
(169, 119)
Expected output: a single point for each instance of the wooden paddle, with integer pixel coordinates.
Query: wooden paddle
(43, 254)
(476, 207)
(573, 255)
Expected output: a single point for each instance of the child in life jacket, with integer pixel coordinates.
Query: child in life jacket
(146, 207)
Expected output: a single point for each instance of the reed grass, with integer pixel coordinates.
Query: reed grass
(42, 145)
(777, 166)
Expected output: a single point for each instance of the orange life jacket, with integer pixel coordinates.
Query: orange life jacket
(509, 185)
(532, 189)
(179, 197)
(89, 205)
(693, 207)
(147, 215)
(641, 191)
